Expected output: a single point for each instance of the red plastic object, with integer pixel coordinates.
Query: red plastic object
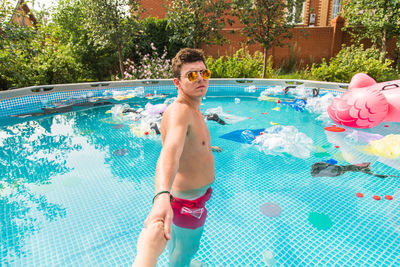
(388, 197)
(334, 129)
(337, 146)
(376, 197)
(146, 133)
(278, 102)
(360, 195)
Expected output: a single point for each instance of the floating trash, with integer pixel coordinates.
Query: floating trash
(273, 90)
(334, 129)
(228, 117)
(387, 147)
(250, 89)
(118, 126)
(121, 152)
(320, 220)
(268, 257)
(271, 209)
(284, 139)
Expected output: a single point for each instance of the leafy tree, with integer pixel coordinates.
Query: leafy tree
(375, 20)
(34, 55)
(111, 22)
(265, 22)
(197, 21)
(96, 60)
(152, 31)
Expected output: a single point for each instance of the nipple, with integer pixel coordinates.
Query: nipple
(204, 143)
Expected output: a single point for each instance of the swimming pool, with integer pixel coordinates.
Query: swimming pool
(77, 179)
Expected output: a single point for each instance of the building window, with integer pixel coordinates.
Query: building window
(296, 11)
(336, 8)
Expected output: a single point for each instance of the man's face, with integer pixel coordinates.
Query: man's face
(197, 88)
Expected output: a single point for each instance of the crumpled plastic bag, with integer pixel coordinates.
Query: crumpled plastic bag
(387, 147)
(284, 139)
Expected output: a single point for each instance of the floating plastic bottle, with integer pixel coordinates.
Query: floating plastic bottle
(250, 89)
(247, 136)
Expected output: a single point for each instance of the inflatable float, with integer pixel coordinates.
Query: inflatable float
(367, 103)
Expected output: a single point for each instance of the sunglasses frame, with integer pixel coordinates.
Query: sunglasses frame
(192, 75)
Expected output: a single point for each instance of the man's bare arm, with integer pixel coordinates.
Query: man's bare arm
(173, 135)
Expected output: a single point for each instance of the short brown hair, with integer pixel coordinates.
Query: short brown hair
(186, 55)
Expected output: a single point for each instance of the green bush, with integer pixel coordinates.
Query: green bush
(351, 60)
(151, 66)
(241, 65)
(34, 57)
(152, 31)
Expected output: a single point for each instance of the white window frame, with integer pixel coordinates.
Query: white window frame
(293, 14)
(336, 8)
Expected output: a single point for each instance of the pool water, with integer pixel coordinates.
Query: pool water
(76, 187)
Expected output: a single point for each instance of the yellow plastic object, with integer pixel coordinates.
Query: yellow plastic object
(268, 98)
(119, 98)
(388, 147)
(274, 123)
(277, 108)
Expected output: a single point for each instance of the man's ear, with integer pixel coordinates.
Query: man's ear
(177, 82)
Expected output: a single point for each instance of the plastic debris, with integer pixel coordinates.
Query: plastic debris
(320, 220)
(268, 257)
(250, 89)
(271, 209)
(280, 139)
(387, 147)
(273, 90)
(229, 118)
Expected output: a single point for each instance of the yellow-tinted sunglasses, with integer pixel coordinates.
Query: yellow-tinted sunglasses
(192, 75)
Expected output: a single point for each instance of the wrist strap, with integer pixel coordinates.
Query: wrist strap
(163, 192)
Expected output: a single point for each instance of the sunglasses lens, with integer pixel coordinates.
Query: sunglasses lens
(192, 76)
(206, 74)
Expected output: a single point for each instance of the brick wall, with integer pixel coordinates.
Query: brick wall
(308, 45)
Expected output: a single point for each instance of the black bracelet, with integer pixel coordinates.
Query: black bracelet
(163, 192)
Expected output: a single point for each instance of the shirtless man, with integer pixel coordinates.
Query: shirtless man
(185, 168)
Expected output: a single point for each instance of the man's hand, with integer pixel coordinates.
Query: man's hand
(150, 244)
(216, 149)
(161, 211)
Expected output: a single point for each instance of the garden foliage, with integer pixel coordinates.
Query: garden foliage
(241, 65)
(152, 32)
(351, 60)
(34, 57)
(150, 66)
(197, 21)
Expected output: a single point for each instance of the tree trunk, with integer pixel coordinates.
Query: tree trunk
(383, 48)
(121, 64)
(265, 62)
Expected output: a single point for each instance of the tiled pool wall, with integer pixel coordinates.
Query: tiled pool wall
(33, 99)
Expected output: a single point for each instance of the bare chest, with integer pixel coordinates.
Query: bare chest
(198, 136)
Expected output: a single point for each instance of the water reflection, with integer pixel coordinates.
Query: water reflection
(125, 153)
(30, 153)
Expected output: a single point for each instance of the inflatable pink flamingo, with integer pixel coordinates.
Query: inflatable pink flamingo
(367, 103)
